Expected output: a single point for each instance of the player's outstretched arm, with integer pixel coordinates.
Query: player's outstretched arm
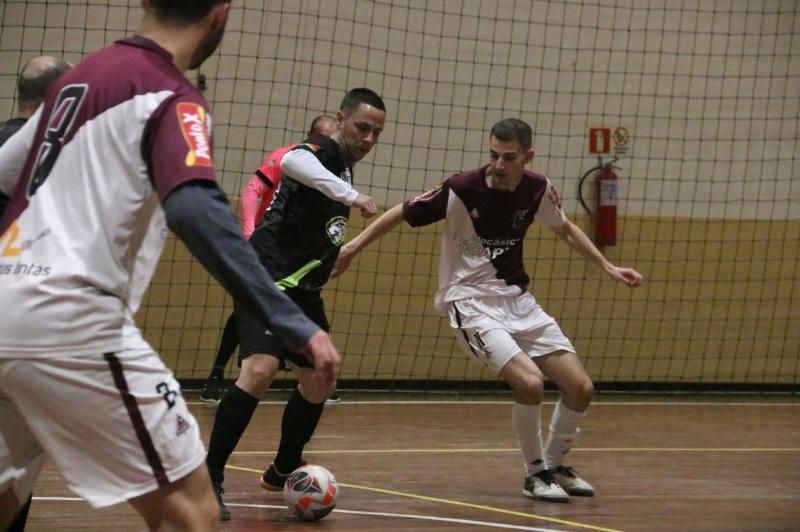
(577, 240)
(304, 167)
(367, 205)
(385, 223)
(199, 214)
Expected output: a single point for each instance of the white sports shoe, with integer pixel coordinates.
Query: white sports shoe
(571, 482)
(543, 486)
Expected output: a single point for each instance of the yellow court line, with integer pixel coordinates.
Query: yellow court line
(455, 503)
(584, 449)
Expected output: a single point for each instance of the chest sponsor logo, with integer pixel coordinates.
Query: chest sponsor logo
(12, 246)
(489, 247)
(336, 229)
(194, 125)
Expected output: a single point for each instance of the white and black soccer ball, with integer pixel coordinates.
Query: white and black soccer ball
(310, 492)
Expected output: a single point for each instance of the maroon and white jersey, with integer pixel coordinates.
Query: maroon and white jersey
(485, 227)
(84, 229)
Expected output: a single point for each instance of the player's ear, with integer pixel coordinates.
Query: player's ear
(219, 15)
(529, 156)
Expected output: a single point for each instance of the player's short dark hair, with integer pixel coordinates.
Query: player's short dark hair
(32, 86)
(183, 11)
(356, 97)
(513, 129)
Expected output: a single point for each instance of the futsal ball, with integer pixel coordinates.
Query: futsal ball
(310, 492)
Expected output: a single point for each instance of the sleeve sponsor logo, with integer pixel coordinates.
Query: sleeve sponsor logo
(553, 195)
(430, 194)
(194, 126)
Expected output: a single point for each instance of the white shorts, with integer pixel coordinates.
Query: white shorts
(116, 425)
(494, 329)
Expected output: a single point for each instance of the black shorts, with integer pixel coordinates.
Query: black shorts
(253, 338)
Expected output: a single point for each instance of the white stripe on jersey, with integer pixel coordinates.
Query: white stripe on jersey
(465, 269)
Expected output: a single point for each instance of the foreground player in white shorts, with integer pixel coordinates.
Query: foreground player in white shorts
(119, 151)
(483, 289)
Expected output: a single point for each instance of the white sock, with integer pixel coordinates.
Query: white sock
(526, 420)
(563, 433)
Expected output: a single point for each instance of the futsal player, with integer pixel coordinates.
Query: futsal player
(34, 79)
(297, 242)
(256, 197)
(483, 289)
(119, 151)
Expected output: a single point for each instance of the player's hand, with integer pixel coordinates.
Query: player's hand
(346, 255)
(627, 276)
(326, 359)
(367, 205)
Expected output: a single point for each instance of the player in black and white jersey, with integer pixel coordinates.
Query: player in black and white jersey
(483, 289)
(120, 151)
(298, 242)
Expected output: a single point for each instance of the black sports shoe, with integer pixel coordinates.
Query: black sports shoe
(334, 399)
(224, 512)
(273, 480)
(213, 389)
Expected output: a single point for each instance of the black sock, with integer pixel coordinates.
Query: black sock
(18, 524)
(227, 345)
(233, 414)
(300, 419)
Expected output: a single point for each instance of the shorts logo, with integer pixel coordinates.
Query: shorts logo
(183, 426)
(336, 228)
(194, 126)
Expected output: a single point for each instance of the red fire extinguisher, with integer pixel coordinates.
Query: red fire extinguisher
(604, 217)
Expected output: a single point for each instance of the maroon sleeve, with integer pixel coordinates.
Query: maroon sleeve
(428, 207)
(177, 145)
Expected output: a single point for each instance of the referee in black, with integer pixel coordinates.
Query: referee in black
(298, 242)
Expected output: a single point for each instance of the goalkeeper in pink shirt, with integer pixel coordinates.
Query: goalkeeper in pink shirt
(256, 198)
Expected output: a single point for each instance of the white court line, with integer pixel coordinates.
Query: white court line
(413, 516)
(358, 512)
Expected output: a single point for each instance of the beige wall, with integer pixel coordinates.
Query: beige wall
(710, 206)
(719, 305)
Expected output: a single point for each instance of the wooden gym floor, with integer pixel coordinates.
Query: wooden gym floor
(451, 463)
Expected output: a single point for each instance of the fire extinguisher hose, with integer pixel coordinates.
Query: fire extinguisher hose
(580, 188)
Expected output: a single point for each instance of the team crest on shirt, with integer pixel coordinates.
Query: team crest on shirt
(195, 125)
(336, 228)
